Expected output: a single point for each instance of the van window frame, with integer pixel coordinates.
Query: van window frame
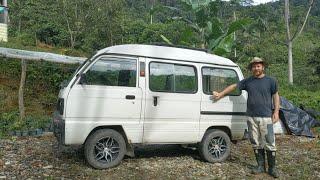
(87, 68)
(173, 63)
(203, 90)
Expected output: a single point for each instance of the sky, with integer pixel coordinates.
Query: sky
(262, 1)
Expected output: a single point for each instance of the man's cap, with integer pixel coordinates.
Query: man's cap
(256, 60)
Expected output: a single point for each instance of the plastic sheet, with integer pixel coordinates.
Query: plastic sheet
(297, 121)
(45, 56)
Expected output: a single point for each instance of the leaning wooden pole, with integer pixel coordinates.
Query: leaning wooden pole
(21, 88)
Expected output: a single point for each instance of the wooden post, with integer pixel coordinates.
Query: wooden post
(21, 88)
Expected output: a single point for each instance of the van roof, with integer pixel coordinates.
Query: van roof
(165, 52)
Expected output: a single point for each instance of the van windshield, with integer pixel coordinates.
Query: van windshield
(67, 81)
(85, 62)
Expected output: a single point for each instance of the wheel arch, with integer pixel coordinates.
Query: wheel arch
(226, 129)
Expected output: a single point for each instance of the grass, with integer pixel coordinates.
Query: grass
(38, 107)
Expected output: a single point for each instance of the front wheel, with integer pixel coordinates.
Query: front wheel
(105, 148)
(215, 146)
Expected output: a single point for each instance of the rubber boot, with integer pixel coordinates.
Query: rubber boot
(272, 171)
(260, 157)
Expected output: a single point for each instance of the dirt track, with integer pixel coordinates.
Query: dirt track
(40, 157)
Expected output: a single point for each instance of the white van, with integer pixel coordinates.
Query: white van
(145, 94)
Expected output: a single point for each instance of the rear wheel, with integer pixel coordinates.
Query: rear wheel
(105, 148)
(215, 146)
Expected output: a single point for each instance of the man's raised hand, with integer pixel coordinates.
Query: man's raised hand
(216, 95)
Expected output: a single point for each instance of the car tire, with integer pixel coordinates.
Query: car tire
(105, 148)
(215, 146)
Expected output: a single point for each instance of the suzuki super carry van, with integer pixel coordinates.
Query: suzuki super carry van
(127, 95)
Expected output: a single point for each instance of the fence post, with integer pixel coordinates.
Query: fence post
(21, 88)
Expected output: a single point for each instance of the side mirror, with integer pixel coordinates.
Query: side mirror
(64, 84)
(83, 79)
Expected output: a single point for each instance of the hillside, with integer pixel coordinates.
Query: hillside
(81, 27)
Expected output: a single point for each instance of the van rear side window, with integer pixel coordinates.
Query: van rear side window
(217, 79)
(166, 77)
(112, 72)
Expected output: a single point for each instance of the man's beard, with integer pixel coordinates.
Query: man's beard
(257, 72)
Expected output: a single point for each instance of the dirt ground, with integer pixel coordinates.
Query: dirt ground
(41, 158)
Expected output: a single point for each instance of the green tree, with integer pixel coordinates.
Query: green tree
(289, 38)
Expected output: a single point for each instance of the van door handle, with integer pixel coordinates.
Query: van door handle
(130, 97)
(155, 100)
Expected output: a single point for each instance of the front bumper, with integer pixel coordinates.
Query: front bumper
(59, 127)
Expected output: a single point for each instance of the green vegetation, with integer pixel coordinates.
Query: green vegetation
(79, 28)
(42, 86)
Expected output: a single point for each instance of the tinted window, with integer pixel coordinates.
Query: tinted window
(112, 72)
(172, 78)
(217, 79)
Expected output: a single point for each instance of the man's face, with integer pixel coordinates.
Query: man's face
(257, 69)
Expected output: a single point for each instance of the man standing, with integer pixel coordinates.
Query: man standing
(261, 90)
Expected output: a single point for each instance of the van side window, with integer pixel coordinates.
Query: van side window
(112, 72)
(217, 79)
(166, 77)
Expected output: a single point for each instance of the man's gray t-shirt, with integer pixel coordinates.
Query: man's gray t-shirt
(260, 91)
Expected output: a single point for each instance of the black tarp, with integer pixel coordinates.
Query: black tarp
(297, 121)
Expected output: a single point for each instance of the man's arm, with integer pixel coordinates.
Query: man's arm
(276, 102)
(227, 90)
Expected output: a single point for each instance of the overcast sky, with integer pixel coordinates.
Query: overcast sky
(256, 2)
(262, 1)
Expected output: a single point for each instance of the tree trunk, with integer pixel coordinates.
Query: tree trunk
(111, 37)
(5, 12)
(290, 66)
(72, 38)
(152, 11)
(19, 25)
(203, 40)
(234, 35)
(21, 88)
(289, 41)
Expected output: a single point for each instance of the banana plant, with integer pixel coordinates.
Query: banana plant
(209, 29)
(221, 41)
